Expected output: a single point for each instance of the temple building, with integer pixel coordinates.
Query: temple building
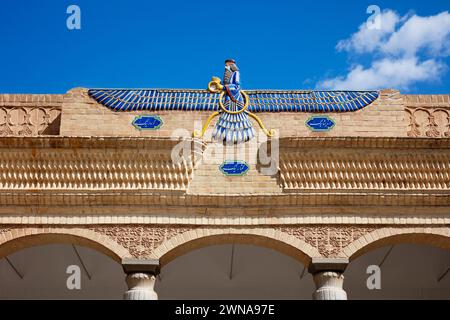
(224, 193)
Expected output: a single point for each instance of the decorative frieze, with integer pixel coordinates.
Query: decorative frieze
(313, 169)
(30, 115)
(429, 116)
(328, 240)
(141, 240)
(94, 171)
(91, 169)
(29, 121)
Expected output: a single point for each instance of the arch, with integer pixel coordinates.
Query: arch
(262, 237)
(437, 237)
(22, 238)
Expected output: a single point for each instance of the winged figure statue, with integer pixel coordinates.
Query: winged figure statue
(234, 106)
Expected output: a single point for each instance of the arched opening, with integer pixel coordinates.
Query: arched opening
(401, 264)
(265, 264)
(271, 239)
(439, 238)
(18, 239)
(239, 271)
(57, 263)
(208, 264)
(52, 271)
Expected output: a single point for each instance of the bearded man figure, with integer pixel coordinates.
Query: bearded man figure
(233, 127)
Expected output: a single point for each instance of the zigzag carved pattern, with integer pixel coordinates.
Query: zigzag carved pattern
(92, 169)
(369, 170)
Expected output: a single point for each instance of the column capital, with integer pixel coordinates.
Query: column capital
(150, 266)
(141, 278)
(327, 264)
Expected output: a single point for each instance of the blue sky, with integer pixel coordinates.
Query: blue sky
(181, 44)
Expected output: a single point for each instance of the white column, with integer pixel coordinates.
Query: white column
(329, 286)
(328, 277)
(141, 286)
(141, 278)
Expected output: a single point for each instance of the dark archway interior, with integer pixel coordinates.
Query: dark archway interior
(44, 274)
(407, 271)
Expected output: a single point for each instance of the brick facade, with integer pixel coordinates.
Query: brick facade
(74, 171)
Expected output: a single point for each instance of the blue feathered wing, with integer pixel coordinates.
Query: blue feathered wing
(233, 127)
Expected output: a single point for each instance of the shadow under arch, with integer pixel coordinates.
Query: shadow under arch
(199, 238)
(22, 238)
(435, 237)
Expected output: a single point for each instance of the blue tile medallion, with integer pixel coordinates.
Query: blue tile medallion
(320, 123)
(234, 168)
(149, 122)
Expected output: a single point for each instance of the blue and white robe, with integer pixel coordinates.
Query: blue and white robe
(233, 128)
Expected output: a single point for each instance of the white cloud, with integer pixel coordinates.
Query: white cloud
(428, 33)
(404, 51)
(386, 73)
(368, 39)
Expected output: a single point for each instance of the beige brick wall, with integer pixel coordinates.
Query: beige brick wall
(207, 178)
(114, 194)
(83, 116)
(392, 115)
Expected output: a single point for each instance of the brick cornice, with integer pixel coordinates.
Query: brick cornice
(366, 142)
(162, 142)
(59, 142)
(125, 171)
(31, 100)
(175, 198)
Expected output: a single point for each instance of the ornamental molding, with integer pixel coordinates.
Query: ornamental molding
(264, 202)
(366, 169)
(228, 221)
(328, 240)
(429, 116)
(168, 242)
(92, 142)
(114, 171)
(140, 240)
(29, 121)
(429, 122)
(26, 115)
(89, 169)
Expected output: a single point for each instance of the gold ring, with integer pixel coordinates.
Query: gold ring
(246, 101)
(210, 84)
